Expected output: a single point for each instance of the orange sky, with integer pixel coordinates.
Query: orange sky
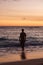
(21, 13)
(20, 23)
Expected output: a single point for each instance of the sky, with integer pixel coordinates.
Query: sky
(21, 12)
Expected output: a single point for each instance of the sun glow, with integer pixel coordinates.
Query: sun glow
(21, 13)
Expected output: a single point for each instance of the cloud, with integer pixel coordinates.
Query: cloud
(9, 0)
(16, 0)
(33, 18)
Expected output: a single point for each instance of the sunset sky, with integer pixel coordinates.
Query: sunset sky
(21, 12)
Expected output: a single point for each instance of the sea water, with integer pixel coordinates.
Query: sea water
(9, 39)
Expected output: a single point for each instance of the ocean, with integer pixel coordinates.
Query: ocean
(9, 39)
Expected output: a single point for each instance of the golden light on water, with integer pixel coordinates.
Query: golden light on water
(17, 57)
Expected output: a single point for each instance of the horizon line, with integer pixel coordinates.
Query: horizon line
(21, 26)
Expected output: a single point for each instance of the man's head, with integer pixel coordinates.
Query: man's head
(22, 30)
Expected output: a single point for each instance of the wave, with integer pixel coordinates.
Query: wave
(5, 42)
(12, 46)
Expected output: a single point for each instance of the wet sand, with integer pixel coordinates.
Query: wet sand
(25, 62)
(31, 58)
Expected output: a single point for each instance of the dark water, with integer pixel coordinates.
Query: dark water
(9, 38)
(12, 33)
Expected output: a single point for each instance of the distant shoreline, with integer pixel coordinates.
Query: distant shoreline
(21, 26)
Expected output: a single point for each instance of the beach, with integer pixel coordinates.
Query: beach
(31, 58)
(26, 62)
(10, 50)
(21, 32)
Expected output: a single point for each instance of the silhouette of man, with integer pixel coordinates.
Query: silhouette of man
(22, 39)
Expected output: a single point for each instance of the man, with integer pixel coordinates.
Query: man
(22, 39)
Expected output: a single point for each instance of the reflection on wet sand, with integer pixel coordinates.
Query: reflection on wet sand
(23, 55)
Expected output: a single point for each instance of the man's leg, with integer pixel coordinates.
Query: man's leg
(23, 46)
